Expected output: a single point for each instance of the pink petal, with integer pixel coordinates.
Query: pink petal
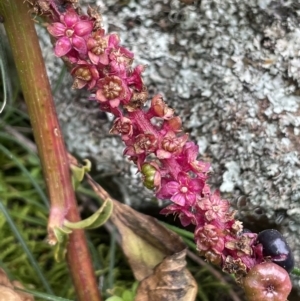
(103, 59)
(114, 103)
(172, 187)
(94, 72)
(80, 83)
(56, 29)
(92, 84)
(192, 151)
(62, 46)
(178, 199)
(79, 44)
(190, 198)
(83, 28)
(205, 204)
(185, 220)
(163, 193)
(210, 215)
(113, 40)
(219, 246)
(162, 154)
(183, 178)
(196, 185)
(93, 57)
(70, 18)
(100, 96)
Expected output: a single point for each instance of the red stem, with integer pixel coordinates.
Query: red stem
(47, 133)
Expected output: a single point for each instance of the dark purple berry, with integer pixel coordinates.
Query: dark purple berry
(275, 246)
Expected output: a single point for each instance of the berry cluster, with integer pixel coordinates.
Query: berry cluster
(154, 141)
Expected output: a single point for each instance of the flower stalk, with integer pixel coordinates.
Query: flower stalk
(47, 133)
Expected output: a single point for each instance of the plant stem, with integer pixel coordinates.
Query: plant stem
(47, 133)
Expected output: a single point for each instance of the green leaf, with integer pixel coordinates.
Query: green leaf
(78, 172)
(94, 221)
(43, 295)
(127, 296)
(60, 249)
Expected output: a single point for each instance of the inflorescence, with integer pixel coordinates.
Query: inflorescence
(154, 139)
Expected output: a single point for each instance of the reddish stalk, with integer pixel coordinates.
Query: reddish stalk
(51, 148)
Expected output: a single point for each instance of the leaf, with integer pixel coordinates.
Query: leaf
(61, 235)
(170, 281)
(96, 220)
(156, 256)
(127, 295)
(78, 172)
(43, 295)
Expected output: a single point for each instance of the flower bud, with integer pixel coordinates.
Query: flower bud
(160, 109)
(174, 124)
(151, 176)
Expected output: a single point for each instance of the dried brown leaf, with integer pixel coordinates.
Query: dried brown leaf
(8, 292)
(170, 281)
(144, 240)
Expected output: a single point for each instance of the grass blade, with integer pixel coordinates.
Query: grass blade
(25, 248)
(27, 173)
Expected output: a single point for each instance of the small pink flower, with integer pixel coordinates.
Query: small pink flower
(214, 207)
(172, 143)
(84, 74)
(183, 192)
(208, 237)
(99, 46)
(71, 31)
(145, 144)
(112, 90)
(135, 78)
(160, 109)
(123, 126)
(189, 159)
(120, 61)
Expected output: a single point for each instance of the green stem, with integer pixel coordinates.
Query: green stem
(47, 133)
